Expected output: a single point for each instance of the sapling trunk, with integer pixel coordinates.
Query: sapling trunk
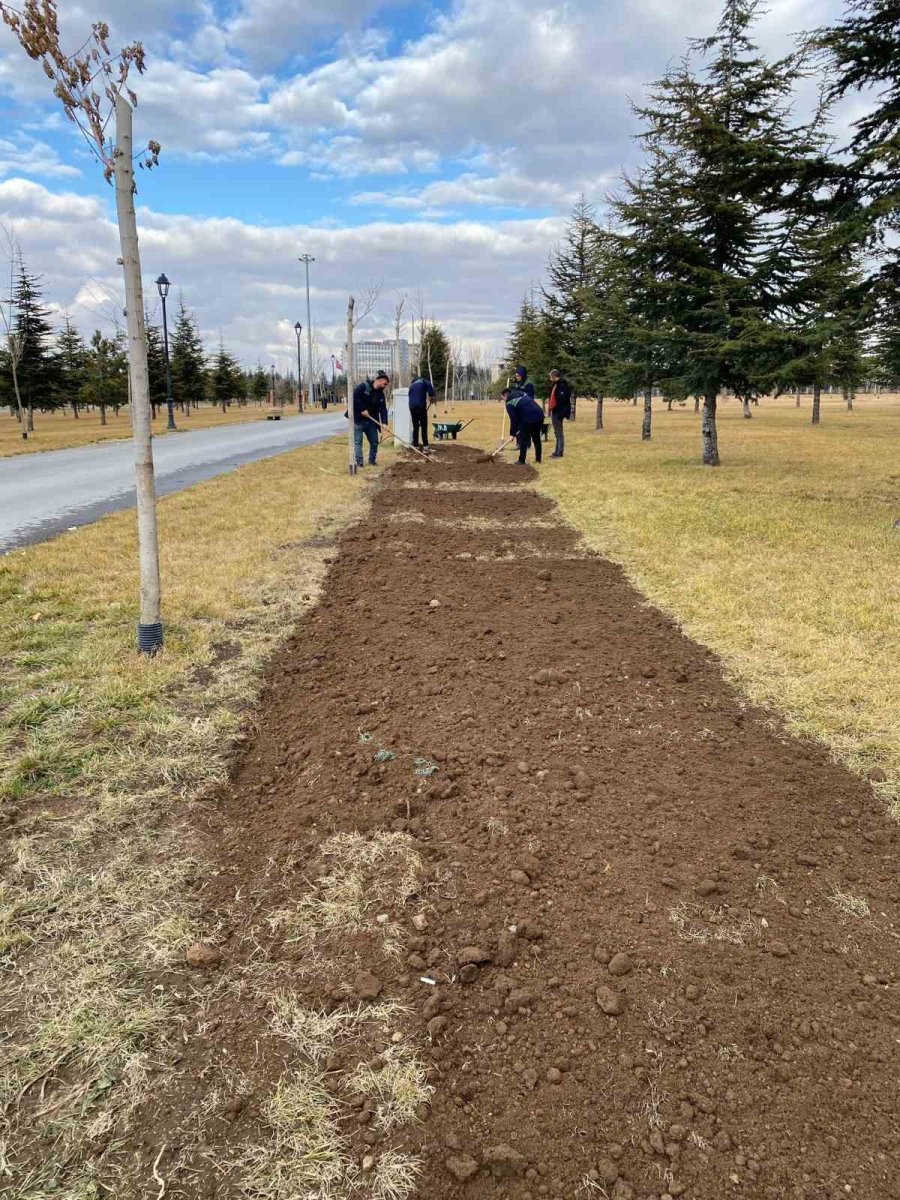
(748, 415)
(647, 423)
(709, 432)
(696, 404)
(817, 403)
(150, 631)
(848, 398)
(599, 421)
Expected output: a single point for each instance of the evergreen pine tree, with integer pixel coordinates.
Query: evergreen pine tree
(70, 355)
(36, 368)
(435, 355)
(532, 344)
(188, 361)
(106, 374)
(226, 378)
(156, 367)
(722, 147)
(573, 273)
(259, 385)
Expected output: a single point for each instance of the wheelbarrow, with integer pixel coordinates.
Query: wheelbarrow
(447, 429)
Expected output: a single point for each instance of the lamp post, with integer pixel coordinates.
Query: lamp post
(307, 259)
(333, 384)
(273, 385)
(298, 329)
(163, 286)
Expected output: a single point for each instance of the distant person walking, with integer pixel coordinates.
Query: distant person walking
(526, 421)
(421, 395)
(369, 406)
(560, 406)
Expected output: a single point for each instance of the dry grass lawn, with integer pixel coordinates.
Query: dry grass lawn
(58, 431)
(101, 754)
(785, 561)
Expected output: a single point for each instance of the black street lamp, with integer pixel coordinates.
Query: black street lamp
(298, 329)
(273, 385)
(163, 286)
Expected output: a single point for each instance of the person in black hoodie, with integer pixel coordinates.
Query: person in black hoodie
(369, 406)
(526, 421)
(522, 382)
(560, 406)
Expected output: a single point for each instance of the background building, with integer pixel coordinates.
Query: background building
(371, 357)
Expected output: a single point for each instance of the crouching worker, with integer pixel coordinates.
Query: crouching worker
(369, 407)
(526, 422)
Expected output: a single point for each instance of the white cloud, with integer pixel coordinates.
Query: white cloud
(245, 279)
(24, 155)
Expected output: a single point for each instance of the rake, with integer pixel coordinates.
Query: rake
(396, 436)
(486, 458)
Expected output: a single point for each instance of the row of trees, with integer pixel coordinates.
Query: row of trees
(746, 255)
(43, 369)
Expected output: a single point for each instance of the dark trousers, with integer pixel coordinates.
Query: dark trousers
(420, 425)
(370, 430)
(559, 431)
(529, 435)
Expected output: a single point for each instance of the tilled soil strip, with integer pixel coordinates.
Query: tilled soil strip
(650, 947)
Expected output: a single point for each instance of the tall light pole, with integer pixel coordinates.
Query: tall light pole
(307, 259)
(298, 329)
(333, 386)
(273, 385)
(163, 286)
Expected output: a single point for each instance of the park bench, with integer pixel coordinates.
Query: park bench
(273, 416)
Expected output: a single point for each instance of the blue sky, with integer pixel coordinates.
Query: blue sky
(434, 149)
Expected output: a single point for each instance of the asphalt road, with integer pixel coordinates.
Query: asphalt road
(44, 494)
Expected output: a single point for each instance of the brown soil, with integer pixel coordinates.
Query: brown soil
(665, 998)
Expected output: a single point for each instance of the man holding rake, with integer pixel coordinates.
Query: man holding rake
(369, 413)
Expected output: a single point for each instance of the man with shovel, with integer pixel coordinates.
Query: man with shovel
(526, 422)
(369, 411)
(421, 395)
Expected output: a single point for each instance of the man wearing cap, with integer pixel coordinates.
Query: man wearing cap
(560, 406)
(369, 407)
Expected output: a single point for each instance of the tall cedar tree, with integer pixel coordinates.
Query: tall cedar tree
(226, 380)
(260, 385)
(188, 361)
(106, 374)
(37, 368)
(435, 355)
(573, 275)
(71, 366)
(156, 366)
(643, 288)
(724, 153)
(531, 345)
(865, 51)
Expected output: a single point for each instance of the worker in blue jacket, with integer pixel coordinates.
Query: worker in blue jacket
(526, 421)
(421, 395)
(369, 407)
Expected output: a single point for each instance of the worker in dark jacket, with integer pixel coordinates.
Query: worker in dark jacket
(421, 395)
(369, 406)
(526, 421)
(560, 406)
(522, 382)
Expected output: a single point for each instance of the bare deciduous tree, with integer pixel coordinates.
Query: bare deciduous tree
(92, 86)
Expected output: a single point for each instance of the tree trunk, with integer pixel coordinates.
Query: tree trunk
(350, 307)
(748, 415)
(817, 399)
(696, 404)
(150, 634)
(575, 408)
(599, 422)
(848, 398)
(634, 401)
(102, 412)
(30, 417)
(669, 404)
(798, 397)
(647, 424)
(75, 409)
(709, 432)
(20, 414)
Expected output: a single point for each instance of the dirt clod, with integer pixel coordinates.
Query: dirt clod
(202, 956)
(367, 986)
(610, 1001)
(462, 1167)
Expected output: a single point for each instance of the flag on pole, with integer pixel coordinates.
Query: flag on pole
(339, 365)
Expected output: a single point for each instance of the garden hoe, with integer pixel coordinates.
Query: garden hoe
(415, 449)
(486, 458)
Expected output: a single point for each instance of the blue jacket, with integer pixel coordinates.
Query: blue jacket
(524, 411)
(420, 392)
(367, 398)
